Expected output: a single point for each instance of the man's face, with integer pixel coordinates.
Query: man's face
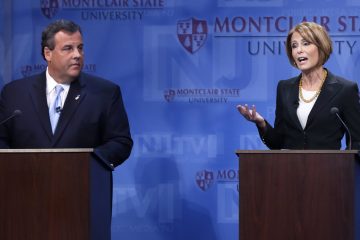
(66, 60)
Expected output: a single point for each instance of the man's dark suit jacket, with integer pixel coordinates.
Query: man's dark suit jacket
(93, 116)
(323, 129)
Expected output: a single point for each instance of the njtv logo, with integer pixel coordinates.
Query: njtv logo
(167, 144)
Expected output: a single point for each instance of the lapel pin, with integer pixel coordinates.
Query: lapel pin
(77, 97)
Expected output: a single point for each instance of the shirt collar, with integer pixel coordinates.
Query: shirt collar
(51, 83)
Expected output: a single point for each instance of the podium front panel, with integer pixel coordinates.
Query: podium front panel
(297, 195)
(44, 195)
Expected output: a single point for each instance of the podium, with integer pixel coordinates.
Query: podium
(54, 194)
(291, 194)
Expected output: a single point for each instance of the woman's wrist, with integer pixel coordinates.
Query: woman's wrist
(261, 124)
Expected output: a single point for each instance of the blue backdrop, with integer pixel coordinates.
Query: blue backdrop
(183, 66)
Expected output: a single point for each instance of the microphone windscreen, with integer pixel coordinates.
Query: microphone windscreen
(334, 110)
(17, 112)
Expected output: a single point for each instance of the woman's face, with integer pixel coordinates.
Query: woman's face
(305, 54)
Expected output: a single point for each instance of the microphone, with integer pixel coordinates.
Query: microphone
(335, 110)
(58, 109)
(15, 113)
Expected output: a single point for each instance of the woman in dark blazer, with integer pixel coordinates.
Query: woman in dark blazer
(309, 106)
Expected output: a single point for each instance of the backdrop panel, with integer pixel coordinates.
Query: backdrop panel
(183, 66)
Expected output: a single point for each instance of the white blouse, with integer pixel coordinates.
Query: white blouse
(304, 108)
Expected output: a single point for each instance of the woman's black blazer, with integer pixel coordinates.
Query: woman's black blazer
(323, 129)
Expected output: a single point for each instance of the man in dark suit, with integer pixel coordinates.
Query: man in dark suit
(91, 112)
(65, 108)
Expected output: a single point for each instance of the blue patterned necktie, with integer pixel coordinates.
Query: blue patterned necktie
(55, 108)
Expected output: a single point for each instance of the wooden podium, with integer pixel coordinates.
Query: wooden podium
(54, 194)
(301, 195)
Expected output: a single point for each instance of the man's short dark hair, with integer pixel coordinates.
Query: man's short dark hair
(47, 37)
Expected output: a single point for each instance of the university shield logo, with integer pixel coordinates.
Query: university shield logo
(49, 8)
(26, 70)
(204, 179)
(169, 95)
(192, 34)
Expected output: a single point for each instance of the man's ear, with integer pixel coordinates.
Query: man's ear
(47, 54)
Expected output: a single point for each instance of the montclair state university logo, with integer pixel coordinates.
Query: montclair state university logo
(204, 179)
(49, 8)
(169, 95)
(192, 33)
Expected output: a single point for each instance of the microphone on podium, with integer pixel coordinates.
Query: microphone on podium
(15, 113)
(335, 110)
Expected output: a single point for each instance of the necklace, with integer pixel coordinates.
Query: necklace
(317, 92)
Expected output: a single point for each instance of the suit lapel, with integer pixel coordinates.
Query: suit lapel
(38, 96)
(328, 91)
(74, 98)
